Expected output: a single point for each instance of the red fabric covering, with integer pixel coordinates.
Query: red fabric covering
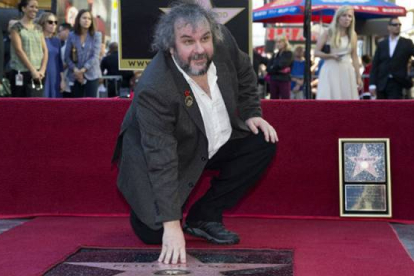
(55, 156)
(321, 248)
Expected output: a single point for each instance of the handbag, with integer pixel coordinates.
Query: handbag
(35, 88)
(74, 54)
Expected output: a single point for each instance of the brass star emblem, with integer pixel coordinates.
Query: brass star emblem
(364, 162)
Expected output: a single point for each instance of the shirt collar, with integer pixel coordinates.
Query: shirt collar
(395, 39)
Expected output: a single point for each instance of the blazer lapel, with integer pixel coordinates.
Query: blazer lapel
(387, 47)
(182, 88)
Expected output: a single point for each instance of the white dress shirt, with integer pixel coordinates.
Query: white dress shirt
(213, 110)
(393, 44)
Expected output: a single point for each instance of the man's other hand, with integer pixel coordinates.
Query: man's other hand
(173, 244)
(256, 123)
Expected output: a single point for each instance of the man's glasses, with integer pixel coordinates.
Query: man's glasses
(52, 22)
(395, 24)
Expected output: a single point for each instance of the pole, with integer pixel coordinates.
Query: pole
(308, 37)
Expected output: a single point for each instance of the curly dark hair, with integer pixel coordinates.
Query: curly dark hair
(191, 13)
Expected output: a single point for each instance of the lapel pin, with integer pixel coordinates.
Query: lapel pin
(188, 99)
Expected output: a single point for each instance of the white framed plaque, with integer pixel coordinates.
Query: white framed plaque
(364, 177)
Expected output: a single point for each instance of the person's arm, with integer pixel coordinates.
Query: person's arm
(17, 45)
(355, 63)
(156, 117)
(322, 40)
(281, 62)
(42, 69)
(68, 52)
(373, 75)
(248, 100)
(248, 96)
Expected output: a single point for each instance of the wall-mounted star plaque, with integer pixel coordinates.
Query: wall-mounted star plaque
(364, 177)
(137, 20)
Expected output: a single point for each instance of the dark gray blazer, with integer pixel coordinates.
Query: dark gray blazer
(383, 65)
(162, 148)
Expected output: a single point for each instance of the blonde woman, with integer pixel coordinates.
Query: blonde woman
(54, 71)
(279, 68)
(339, 78)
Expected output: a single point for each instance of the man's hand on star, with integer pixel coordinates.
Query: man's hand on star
(173, 244)
(256, 123)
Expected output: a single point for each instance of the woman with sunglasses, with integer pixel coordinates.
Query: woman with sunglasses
(82, 56)
(28, 54)
(54, 82)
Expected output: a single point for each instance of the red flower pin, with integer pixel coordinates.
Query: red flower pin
(186, 93)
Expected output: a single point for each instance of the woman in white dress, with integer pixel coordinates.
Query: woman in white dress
(339, 78)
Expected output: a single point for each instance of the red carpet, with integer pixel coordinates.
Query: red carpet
(321, 247)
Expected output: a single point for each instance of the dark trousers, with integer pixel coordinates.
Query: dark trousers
(89, 89)
(393, 90)
(279, 89)
(21, 90)
(241, 163)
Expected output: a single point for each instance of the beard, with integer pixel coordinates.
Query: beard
(190, 70)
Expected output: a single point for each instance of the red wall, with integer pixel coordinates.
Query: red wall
(55, 156)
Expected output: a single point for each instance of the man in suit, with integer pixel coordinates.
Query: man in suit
(196, 106)
(389, 74)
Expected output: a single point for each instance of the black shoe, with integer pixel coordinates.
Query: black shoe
(214, 232)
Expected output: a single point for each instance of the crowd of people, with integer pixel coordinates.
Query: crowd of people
(47, 59)
(42, 58)
(337, 71)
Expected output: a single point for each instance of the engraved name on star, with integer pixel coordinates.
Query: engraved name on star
(224, 15)
(364, 162)
(193, 265)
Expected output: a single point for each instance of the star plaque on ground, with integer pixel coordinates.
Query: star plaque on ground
(202, 262)
(365, 180)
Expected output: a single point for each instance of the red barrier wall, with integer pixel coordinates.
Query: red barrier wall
(55, 156)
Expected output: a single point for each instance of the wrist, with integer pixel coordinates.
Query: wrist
(174, 224)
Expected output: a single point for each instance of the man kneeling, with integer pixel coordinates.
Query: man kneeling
(196, 107)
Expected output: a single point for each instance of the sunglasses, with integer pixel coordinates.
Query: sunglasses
(396, 24)
(52, 22)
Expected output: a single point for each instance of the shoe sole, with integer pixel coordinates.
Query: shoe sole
(202, 234)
